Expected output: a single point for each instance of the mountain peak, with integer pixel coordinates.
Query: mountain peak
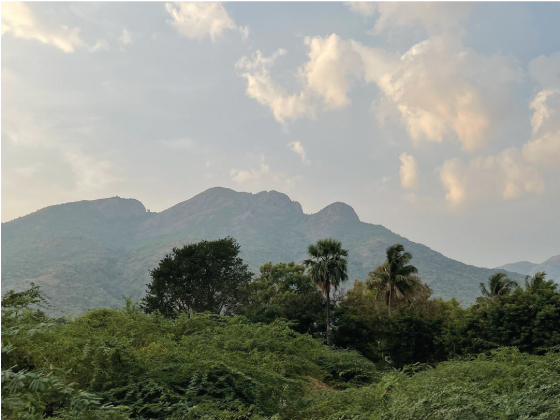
(118, 207)
(338, 211)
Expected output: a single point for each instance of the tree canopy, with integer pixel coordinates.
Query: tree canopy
(396, 278)
(208, 276)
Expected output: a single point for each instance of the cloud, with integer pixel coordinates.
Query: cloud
(125, 38)
(507, 176)
(19, 21)
(442, 90)
(100, 45)
(514, 172)
(364, 8)
(298, 149)
(331, 66)
(325, 79)
(265, 91)
(544, 146)
(198, 20)
(439, 89)
(408, 171)
(263, 178)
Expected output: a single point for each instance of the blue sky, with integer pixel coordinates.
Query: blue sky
(439, 121)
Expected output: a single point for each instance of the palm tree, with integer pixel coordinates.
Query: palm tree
(327, 266)
(498, 285)
(396, 277)
(538, 283)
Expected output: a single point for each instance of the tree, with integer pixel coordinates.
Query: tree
(395, 278)
(538, 283)
(498, 285)
(206, 276)
(285, 291)
(327, 265)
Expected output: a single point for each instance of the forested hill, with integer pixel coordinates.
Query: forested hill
(88, 254)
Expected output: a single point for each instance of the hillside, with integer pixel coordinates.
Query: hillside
(89, 253)
(551, 267)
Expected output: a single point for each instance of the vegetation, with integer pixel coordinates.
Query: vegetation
(206, 276)
(396, 278)
(327, 266)
(264, 356)
(498, 285)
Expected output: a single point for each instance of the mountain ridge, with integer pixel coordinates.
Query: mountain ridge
(551, 267)
(89, 253)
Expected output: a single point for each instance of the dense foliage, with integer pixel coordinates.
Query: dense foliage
(267, 359)
(205, 276)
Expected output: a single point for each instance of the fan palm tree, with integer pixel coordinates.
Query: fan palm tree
(327, 265)
(538, 282)
(396, 277)
(498, 285)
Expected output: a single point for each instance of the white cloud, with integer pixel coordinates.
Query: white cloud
(198, 20)
(265, 91)
(125, 38)
(443, 90)
(331, 66)
(513, 172)
(544, 146)
(507, 176)
(19, 21)
(326, 79)
(263, 178)
(298, 149)
(439, 89)
(364, 8)
(408, 171)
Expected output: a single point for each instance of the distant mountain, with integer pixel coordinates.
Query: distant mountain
(551, 267)
(89, 253)
(521, 267)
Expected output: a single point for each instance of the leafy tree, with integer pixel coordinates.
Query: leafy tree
(412, 334)
(327, 265)
(206, 276)
(285, 291)
(524, 319)
(498, 285)
(538, 283)
(395, 278)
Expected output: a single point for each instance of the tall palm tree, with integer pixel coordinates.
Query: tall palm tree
(498, 285)
(538, 283)
(396, 277)
(327, 266)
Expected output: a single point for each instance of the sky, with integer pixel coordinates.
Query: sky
(440, 121)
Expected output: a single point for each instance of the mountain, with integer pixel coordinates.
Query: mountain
(551, 267)
(89, 254)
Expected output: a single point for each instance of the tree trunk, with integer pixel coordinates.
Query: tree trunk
(328, 318)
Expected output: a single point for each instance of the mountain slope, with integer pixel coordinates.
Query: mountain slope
(90, 253)
(551, 267)
(521, 267)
